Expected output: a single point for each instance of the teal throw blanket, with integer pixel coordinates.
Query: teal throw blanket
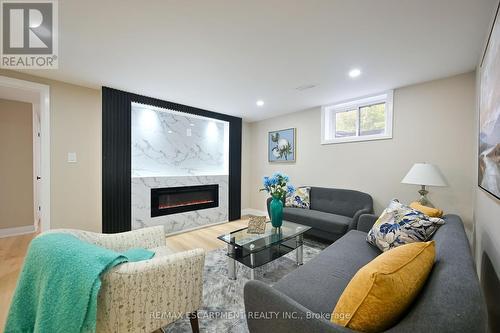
(58, 286)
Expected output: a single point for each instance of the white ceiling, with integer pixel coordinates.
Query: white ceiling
(224, 55)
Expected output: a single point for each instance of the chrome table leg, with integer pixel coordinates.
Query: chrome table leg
(252, 263)
(231, 263)
(299, 251)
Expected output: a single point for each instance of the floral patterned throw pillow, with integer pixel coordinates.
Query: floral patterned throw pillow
(400, 224)
(299, 198)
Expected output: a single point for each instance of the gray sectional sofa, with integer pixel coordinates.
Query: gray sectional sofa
(333, 212)
(451, 300)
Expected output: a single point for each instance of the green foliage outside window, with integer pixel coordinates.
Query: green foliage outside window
(372, 121)
(345, 123)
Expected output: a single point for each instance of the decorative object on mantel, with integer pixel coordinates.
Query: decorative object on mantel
(277, 185)
(489, 115)
(257, 225)
(424, 174)
(281, 145)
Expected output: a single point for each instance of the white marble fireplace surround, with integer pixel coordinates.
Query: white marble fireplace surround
(171, 149)
(171, 143)
(141, 203)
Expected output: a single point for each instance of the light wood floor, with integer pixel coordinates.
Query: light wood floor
(13, 250)
(205, 238)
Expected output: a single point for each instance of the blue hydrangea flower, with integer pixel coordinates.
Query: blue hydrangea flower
(277, 185)
(266, 182)
(273, 180)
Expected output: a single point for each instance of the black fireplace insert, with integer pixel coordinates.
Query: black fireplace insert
(173, 200)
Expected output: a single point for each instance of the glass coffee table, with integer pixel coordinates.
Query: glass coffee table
(254, 250)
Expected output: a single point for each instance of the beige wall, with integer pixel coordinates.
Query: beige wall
(431, 123)
(16, 164)
(75, 125)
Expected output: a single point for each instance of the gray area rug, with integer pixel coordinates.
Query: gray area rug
(223, 307)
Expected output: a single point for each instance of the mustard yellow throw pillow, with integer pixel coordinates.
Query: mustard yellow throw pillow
(382, 290)
(429, 211)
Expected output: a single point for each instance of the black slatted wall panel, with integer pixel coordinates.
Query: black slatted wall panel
(116, 150)
(116, 163)
(235, 169)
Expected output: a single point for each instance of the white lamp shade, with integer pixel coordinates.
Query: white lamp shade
(424, 174)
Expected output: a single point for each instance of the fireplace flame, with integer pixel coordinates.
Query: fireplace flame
(188, 203)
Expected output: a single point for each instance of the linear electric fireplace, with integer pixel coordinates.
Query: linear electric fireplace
(173, 200)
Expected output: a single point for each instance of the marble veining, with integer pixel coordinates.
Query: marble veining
(141, 203)
(171, 144)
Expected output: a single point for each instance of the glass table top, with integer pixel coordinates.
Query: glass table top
(271, 236)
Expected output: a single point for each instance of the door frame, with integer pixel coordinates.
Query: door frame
(37, 171)
(44, 111)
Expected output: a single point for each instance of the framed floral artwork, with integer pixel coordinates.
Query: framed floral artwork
(281, 145)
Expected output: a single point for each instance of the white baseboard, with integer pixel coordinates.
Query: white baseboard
(8, 232)
(251, 211)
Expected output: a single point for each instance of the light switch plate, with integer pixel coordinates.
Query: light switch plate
(71, 157)
(188, 132)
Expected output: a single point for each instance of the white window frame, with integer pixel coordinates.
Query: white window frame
(327, 122)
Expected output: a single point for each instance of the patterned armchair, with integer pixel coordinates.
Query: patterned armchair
(147, 295)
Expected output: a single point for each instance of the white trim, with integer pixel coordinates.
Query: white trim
(328, 110)
(44, 104)
(34, 112)
(9, 232)
(251, 211)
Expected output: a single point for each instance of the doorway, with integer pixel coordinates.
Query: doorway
(26, 118)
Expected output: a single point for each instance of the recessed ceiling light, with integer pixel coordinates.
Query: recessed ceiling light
(355, 72)
(260, 102)
(170, 132)
(191, 124)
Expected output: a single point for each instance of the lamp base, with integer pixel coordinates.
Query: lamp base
(423, 197)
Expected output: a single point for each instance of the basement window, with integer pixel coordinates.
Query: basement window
(361, 119)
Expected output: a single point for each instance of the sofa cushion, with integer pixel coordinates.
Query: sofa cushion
(399, 225)
(340, 201)
(333, 223)
(383, 289)
(299, 198)
(319, 284)
(429, 211)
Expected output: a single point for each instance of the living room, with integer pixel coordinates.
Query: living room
(246, 165)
